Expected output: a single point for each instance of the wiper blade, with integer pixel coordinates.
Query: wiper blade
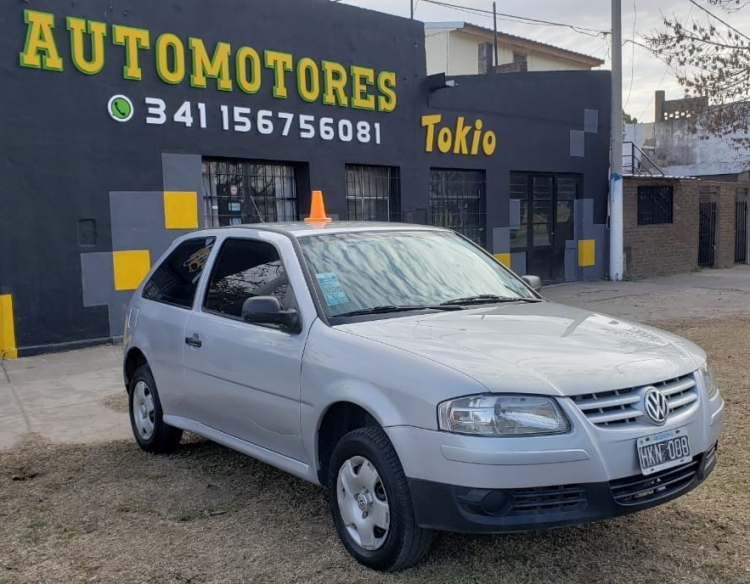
(486, 299)
(392, 308)
(382, 310)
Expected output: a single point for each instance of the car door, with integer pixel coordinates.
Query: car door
(244, 379)
(163, 312)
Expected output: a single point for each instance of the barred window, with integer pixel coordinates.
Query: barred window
(655, 205)
(458, 202)
(372, 193)
(237, 192)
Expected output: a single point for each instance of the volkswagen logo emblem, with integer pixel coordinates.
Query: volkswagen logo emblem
(656, 406)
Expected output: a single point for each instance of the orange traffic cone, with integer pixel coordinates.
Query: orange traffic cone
(318, 209)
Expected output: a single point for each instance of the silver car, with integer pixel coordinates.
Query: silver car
(425, 385)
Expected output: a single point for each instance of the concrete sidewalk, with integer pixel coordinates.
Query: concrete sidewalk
(700, 294)
(61, 396)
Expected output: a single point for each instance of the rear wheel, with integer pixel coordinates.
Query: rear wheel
(146, 416)
(371, 503)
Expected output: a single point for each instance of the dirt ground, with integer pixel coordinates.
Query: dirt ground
(110, 513)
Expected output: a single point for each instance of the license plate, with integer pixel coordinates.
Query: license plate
(662, 451)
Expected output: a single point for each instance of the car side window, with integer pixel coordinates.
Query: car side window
(246, 268)
(176, 279)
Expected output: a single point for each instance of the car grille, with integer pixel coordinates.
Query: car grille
(623, 406)
(640, 489)
(547, 500)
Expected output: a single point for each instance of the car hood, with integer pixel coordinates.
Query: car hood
(542, 347)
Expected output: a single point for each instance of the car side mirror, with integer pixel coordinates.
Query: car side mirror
(267, 310)
(534, 282)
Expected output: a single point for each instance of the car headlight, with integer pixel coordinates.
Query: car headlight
(502, 415)
(709, 380)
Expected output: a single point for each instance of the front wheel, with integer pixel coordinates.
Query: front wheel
(371, 503)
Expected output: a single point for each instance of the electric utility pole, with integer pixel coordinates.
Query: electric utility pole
(615, 182)
(411, 8)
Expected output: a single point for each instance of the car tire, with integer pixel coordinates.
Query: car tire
(376, 523)
(146, 415)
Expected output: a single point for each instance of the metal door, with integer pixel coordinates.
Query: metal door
(707, 235)
(542, 209)
(542, 227)
(740, 234)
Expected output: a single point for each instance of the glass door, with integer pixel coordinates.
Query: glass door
(542, 220)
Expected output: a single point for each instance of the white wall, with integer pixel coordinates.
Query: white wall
(436, 47)
(631, 158)
(463, 54)
(682, 153)
(543, 62)
(455, 52)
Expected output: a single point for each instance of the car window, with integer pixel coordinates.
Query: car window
(364, 270)
(176, 279)
(246, 268)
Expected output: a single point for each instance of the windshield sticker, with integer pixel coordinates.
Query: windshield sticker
(196, 261)
(332, 290)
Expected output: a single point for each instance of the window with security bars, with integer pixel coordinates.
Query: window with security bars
(458, 201)
(237, 192)
(655, 204)
(539, 201)
(372, 193)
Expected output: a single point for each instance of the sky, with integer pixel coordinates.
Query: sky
(643, 74)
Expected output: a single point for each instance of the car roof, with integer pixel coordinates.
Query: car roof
(301, 229)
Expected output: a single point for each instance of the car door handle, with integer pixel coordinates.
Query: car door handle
(194, 341)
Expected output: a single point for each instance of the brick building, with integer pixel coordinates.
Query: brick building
(674, 225)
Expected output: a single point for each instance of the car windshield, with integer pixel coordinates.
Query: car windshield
(373, 271)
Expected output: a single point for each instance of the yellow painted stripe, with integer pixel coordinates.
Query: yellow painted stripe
(7, 329)
(503, 258)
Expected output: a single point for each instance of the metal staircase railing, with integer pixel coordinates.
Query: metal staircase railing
(637, 162)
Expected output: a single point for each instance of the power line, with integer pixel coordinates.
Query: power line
(521, 19)
(598, 50)
(636, 43)
(517, 19)
(650, 103)
(712, 15)
(514, 18)
(667, 68)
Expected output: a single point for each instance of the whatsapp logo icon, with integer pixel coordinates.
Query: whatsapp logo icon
(120, 108)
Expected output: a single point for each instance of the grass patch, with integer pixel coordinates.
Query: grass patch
(117, 402)
(110, 513)
(187, 516)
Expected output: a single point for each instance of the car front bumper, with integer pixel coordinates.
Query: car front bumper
(460, 509)
(489, 485)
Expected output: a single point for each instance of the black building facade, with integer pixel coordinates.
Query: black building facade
(128, 123)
